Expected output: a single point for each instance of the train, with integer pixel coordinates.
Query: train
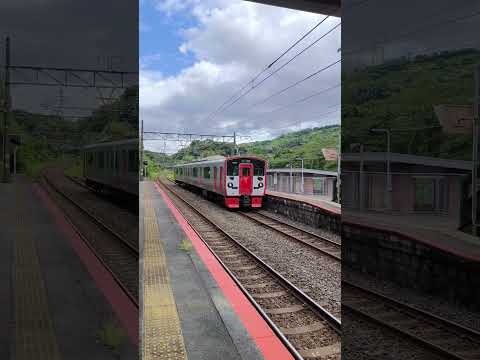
(238, 181)
(112, 166)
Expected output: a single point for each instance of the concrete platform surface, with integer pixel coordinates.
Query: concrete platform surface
(211, 329)
(51, 307)
(428, 229)
(317, 201)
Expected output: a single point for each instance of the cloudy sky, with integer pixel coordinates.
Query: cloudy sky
(67, 34)
(195, 54)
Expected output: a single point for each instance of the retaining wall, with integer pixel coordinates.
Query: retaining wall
(412, 264)
(304, 213)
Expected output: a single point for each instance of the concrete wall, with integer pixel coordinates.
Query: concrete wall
(304, 213)
(411, 264)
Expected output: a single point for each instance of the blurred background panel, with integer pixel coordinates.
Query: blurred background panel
(68, 84)
(409, 145)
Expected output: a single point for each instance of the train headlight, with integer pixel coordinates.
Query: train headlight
(230, 185)
(260, 185)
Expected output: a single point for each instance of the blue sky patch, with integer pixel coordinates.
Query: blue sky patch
(160, 38)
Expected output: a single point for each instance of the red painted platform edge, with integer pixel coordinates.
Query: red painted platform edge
(328, 211)
(266, 340)
(386, 230)
(410, 237)
(122, 306)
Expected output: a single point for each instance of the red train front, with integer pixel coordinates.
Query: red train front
(239, 181)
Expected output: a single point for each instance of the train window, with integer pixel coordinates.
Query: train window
(258, 171)
(89, 159)
(245, 171)
(206, 172)
(132, 160)
(101, 160)
(195, 172)
(232, 168)
(258, 168)
(117, 160)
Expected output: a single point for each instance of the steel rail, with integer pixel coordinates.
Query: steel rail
(430, 318)
(87, 243)
(311, 234)
(96, 220)
(295, 291)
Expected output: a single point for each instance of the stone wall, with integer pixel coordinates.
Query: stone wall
(304, 213)
(412, 264)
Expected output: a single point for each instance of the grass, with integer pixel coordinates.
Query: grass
(112, 335)
(186, 245)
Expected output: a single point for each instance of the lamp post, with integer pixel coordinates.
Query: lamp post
(389, 180)
(476, 114)
(291, 179)
(301, 159)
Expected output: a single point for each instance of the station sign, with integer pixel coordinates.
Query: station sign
(330, 154)
(455, 119)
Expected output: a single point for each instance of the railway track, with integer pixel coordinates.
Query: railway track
(320, 243)
(117, 255)
(128, 203)
(440, 336)
(306, 329)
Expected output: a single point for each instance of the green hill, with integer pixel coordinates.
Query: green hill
(400, 95)
(306, 144)
(46, 138)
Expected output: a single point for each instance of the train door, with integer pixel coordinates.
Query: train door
(215, 178)
(220, 180)
(245, 172)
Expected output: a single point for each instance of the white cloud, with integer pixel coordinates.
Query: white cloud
(232, 42)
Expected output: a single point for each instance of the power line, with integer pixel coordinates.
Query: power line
(252, 81)
(281, 67)
(321, 114)
(296, 83)
(303, 37)
(301, 100)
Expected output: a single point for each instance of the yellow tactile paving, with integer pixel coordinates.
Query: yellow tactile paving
(162, 334)
(34, 332)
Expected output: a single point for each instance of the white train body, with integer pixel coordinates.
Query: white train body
(112, 165)
(239, 180)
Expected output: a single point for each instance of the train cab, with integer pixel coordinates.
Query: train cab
(245, 182)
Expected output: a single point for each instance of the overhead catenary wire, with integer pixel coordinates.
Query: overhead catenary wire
(296, 83)
(281, 67)
(227, 103)
(299, 101)
(307, 121)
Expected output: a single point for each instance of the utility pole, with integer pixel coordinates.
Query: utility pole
(6, 109)
(388, 193)
(235, 142)
(476, 112)
(302, 179)
(361, 181)
(142, 166)
(338, 165)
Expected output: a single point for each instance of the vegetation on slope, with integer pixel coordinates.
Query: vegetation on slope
(48, 139)
(400, 95)
(281, 151)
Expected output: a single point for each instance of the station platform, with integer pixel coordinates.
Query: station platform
(56, 301)
(428, 229)
(316, 201)
(191, 307)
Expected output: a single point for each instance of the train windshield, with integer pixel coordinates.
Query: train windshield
(258, 166)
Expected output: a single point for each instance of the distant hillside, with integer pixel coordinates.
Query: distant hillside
(401, 95)
(46, 137)
(306, 144)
